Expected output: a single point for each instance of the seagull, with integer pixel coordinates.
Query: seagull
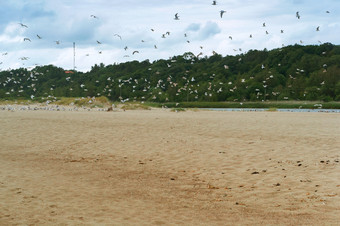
(134, 52)
(152, 29)
(231, 38)
(27, 39)
(264, 24)
(95, 17)
(267, 32)
(176, 17)
(214, 3)
(39, 37)
(318, 28)
(99, 42)
(155, 46)
(282, 31)
(23, 25)
(57, 42)
(250, 36)
(125, 48)
(118, 36)
(222, 12)
(298, 14)
(327, 11)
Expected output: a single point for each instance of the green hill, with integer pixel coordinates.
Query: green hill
(289, 73)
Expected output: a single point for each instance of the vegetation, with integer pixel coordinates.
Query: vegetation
(254, 79)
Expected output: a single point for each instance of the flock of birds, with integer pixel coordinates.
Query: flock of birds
(163, 35)
(190, 88)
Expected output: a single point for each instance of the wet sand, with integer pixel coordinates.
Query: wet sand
(157, 167)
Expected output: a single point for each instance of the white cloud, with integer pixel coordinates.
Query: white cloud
(70, 21)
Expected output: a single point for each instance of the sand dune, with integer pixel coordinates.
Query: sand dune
(160, 167)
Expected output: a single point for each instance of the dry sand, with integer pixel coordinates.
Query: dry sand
(160, 167)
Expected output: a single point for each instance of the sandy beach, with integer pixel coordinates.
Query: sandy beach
(154, 167)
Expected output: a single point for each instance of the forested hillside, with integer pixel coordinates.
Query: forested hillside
(288, 73)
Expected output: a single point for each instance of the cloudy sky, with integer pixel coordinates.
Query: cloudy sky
(103, 29)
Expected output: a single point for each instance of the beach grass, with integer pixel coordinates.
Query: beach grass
(267, 104)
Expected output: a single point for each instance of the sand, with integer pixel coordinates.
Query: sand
(154, 167)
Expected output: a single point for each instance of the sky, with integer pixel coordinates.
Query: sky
(116, 31)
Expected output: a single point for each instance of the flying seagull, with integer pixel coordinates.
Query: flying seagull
(222, 12)
(176, 17)
(23, 25)
(118, 36)
(318, 28)
(95, 17)
(134, 52)
(214, 3)
(39, 37)
(27, 39)
(57, 42)
(99, 42)
(298, 14)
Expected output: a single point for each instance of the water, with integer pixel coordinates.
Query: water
(279, 110)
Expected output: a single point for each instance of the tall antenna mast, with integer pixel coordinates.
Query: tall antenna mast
(74, 56)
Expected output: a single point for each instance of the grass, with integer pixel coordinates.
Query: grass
(178, 109)
(99, 102)
(135, 106)
(268, 104)
(105, 102)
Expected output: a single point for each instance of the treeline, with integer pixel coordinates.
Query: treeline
(289, 73)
